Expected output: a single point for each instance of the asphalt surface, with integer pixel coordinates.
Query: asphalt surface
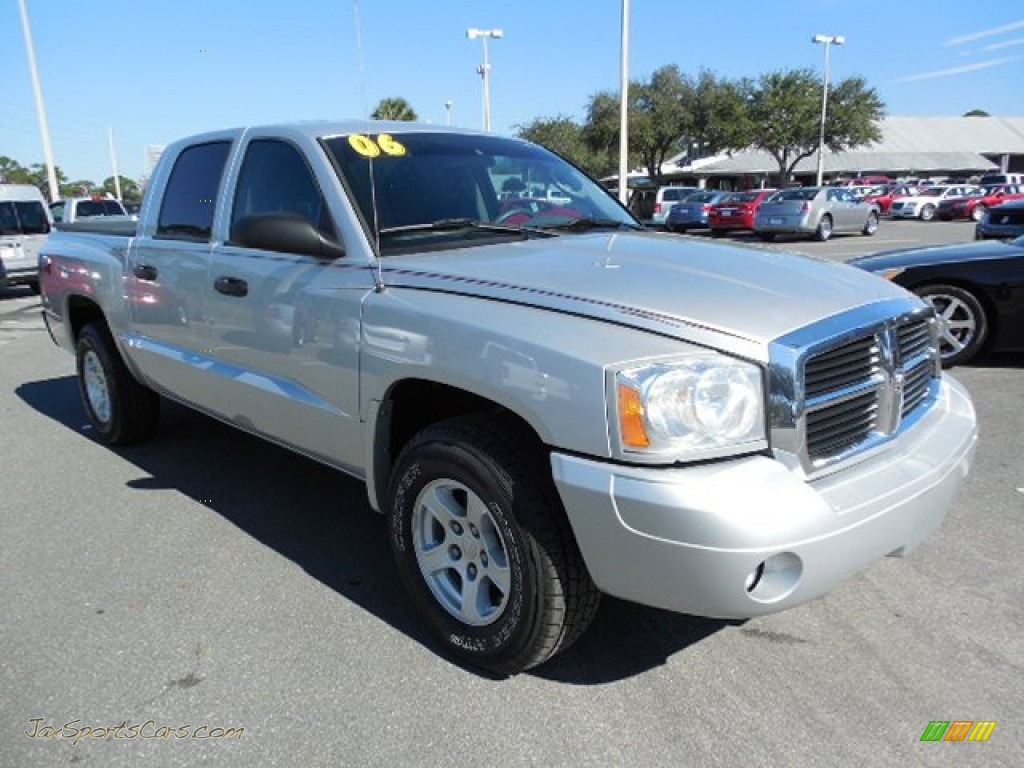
(210, 579)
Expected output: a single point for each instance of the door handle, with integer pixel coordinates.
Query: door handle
(231, 286)
(145, 272)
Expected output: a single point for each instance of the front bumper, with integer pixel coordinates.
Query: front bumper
(747, 537)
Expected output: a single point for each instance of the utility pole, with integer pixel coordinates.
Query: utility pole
(113, 162)
(624, 110)
(44, 130)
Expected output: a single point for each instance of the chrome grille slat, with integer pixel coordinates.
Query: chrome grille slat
(863, 388)
(839, 367)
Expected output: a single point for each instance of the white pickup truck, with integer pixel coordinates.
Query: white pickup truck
(71, 210)
(546, 403)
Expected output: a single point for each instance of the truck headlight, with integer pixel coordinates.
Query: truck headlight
(699, 407)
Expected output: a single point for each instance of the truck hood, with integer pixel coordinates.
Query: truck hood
(730, 297)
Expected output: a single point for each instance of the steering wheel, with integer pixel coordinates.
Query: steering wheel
(511, 213)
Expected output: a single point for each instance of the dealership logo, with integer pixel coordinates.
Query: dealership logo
(958, 730)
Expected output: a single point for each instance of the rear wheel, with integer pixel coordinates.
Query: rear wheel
(963, 324)
(120, 409)
(979, 212)
(766, 236)
(484, 547)
(824, 229)
(928, 212)
(871, 226)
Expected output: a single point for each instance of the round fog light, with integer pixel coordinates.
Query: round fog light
(775, 578)
(754, 578)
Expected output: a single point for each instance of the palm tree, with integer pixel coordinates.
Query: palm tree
(394, 109)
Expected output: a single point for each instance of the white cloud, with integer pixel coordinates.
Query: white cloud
(956, 70)
(1004, 44)
(985, 33)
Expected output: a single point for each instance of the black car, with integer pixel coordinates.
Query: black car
(1001, 221)
(977, 290)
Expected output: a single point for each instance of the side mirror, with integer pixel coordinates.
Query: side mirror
(285, 233)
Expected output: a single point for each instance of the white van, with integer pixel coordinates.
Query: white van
(24, 224)
(665, 198)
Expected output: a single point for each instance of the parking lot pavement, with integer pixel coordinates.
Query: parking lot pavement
(209, 580)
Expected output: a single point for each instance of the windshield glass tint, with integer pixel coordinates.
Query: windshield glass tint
(404, 181)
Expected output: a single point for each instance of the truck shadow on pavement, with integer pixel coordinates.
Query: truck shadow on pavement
(319, 519)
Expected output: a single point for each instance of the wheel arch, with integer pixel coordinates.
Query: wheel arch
(410, 405)
(80, 311)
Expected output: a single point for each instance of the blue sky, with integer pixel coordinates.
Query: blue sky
(155, 71)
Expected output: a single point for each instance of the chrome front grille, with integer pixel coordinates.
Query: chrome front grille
(865, 387)
(842, 386)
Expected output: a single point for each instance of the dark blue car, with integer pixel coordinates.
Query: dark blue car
(692, 212)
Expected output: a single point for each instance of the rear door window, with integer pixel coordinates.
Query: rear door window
(190, 199)
(275, 178)
(23, 218)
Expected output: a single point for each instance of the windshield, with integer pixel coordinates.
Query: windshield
(798, 193)
(422, 190)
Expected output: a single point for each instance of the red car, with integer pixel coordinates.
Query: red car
(736, 211)
(975, 206)
(884, 195)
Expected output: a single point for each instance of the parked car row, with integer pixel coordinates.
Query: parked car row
(818, 212)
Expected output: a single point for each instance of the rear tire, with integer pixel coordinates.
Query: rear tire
(484, 547)
(120, 409)
(824, 229)
(871, 226)
(766, 236)
(979, 212)
(963, 323)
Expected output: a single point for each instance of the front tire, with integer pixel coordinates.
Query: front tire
(978, 213)
(120, 409)
(928, 213)
(963, 324)
(484, 548)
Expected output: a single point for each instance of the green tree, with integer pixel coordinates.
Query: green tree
(395, 108)
(785, 110)
(566, 137)
(977, 113)
(37, 175)
(662, 111)
(721, 120)
(78, 188)
(12, 172)
(129, 189)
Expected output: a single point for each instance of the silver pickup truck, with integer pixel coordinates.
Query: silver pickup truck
(547, 402)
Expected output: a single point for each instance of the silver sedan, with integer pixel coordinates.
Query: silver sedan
(816, 211)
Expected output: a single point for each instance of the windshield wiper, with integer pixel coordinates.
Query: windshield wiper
(586, 223)
(449, 225)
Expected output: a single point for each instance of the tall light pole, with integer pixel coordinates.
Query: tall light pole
(44, 127)
(827, 40)
(484, 69)
(624, 109)
(448, 111)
